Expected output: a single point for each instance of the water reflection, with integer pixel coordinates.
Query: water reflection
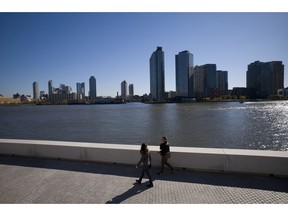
(261, 125)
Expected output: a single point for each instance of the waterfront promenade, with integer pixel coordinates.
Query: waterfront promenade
(34, 180)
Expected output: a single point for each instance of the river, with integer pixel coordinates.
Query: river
(251, 125)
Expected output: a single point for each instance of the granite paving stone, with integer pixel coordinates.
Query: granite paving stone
(34, 180)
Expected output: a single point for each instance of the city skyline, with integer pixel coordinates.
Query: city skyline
(70, 47)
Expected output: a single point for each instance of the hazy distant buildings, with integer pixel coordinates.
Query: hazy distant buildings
(264, 78)
(92, 88)
(157, 75)
(36, 92)
(80, 89)
(124, 89)
(65, 89)
(131, 90)
(61, 94)
(183, 64)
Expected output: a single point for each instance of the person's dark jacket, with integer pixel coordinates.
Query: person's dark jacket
(164, 148)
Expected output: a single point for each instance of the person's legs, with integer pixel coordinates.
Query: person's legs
(171, 168)
(149, 176)
(163, 161)
(141, 177)
(169, 165)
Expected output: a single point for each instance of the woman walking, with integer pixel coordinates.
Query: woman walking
(165, 154)
(146, 160)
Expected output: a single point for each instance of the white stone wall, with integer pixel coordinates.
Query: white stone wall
(207, 159)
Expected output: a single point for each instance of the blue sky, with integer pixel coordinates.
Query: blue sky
(70, 47)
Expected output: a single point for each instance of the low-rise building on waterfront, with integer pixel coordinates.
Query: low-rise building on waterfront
(8, 100)
(282, 92)
(64, 97)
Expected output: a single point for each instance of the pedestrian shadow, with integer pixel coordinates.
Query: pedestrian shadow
(135, 190)
(181, 175)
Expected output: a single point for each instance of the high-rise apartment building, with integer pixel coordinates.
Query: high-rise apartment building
(36, 92)
(157, 75)
(131, 90)
(204, 80)
(124, 89)
(198, 81)
(50, 87)
(183, 65)
(264, 78)
(80, 88)
(222, 80)
(92, 87)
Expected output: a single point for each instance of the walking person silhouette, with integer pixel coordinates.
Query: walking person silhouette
(146, 160)
(165, 154)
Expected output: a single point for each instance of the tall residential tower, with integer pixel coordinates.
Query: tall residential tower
(92, 88)
(80, 87)
(264, 78)
(36, 92)
(131, 90)
(157, 75)
(50, 87)
(124, 89)
(183, 64)
(204, 80)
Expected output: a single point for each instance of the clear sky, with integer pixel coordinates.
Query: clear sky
(70, 47)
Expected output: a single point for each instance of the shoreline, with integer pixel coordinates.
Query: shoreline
(145, 102)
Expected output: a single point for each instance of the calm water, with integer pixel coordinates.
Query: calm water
(252, 125)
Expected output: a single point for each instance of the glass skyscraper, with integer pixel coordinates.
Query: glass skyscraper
(124, 89)
(131, 90)
(36, 92)
(183, 64)
(92, 87)
(81, 89)
(157, 75)
(50, 87)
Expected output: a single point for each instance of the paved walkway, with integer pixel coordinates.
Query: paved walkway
(30, 180)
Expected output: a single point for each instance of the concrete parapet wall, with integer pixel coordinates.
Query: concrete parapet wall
(207, 159)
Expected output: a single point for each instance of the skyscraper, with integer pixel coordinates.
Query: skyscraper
(36, 92)
(183, 64)
(157, 75)
(92, 87)
(50, 87)
(222, 80)
(204, 80)
(124, 89)
(131, 90)
(264, 78)
(198, 81)
(80, 87)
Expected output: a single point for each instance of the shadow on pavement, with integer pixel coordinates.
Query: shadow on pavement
(189, 176)
(136, 189)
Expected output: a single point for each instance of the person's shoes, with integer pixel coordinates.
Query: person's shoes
(150, 185)
(173, 172)
(159, 173)
(138, 181)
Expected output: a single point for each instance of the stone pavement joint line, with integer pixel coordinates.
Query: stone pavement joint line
(31, 180)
